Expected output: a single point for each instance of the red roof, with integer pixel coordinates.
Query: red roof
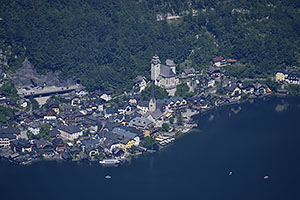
(218, 59)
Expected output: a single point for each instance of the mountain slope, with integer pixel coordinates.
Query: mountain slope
(107, 43)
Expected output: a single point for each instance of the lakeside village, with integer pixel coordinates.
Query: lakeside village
(77, 125)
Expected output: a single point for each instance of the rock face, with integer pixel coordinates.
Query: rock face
(27, 76)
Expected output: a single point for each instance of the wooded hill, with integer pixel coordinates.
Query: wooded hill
(108, 42)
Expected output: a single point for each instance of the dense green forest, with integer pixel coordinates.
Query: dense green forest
(108, 42)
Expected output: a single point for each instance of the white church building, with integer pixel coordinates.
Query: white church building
(164, 76)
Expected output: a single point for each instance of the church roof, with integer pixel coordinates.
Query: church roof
(166, 71)
(156, 114)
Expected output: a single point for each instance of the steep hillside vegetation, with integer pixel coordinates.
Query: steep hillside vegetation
(108, 42)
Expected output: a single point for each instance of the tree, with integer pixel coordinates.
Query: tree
(148, 142)
(6, 115)
(9, 90)
(132, 149)
(171, 120)
(179, 118)
(182, 90)
(159, 93)
(35, 104)
(165, 127)
(45, 131)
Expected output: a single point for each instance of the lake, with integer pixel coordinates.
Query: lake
(250, 140)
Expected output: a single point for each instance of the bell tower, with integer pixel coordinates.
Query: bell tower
(155, 68)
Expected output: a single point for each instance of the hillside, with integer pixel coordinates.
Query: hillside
(108, 43)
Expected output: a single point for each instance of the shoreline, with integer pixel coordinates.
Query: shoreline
(176, 135)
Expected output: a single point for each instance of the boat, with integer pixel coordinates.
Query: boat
(108, 177)
(230, 173)
(109, 162)
(266, 177)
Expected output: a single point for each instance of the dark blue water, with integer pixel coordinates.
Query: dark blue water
(257, 141)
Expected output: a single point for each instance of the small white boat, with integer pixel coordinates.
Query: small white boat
(230, 173)
(266, 177)
(108, 162)
(107, 177)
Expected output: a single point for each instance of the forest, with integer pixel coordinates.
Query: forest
(107, 43)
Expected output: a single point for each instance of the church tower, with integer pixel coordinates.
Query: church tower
(155, 68)
(152, 102)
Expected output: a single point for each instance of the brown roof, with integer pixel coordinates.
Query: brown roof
(218, 59)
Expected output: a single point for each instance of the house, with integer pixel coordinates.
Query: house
(90, 146)
(143, 107)
(128, 118)
(113, 141)
(282, 92)
(4, 100)
(132, 100)
(211, 83)
(231, 61)
(75, 101)
(141, 123)
(124, 108)
(281, 75)
(189, 72)
(41, 144)
(106, 95)
(80, 92)
(214, 72)
(234, 92)
(22, 145)
(261, 89)
(59, 145)
(50, 115)
(127, 132)
(229, 82)
(119, 118)
(164, 75)
(248, 89)
(70, 132)
(54, 105)
(8, 135)
(54, 133)
(34, 127)
(99, 103)
(174, 103)
(90, 106)
(293, 78)
(219, 61)
(141, 82)
(110, 139)
(194, 101)
(110, 112)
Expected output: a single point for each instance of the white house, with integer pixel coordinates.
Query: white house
(34, 128)
(211, 83)
(143, 107)
(50, 116)
(106, 96)
(141, 82)
(70, 132)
